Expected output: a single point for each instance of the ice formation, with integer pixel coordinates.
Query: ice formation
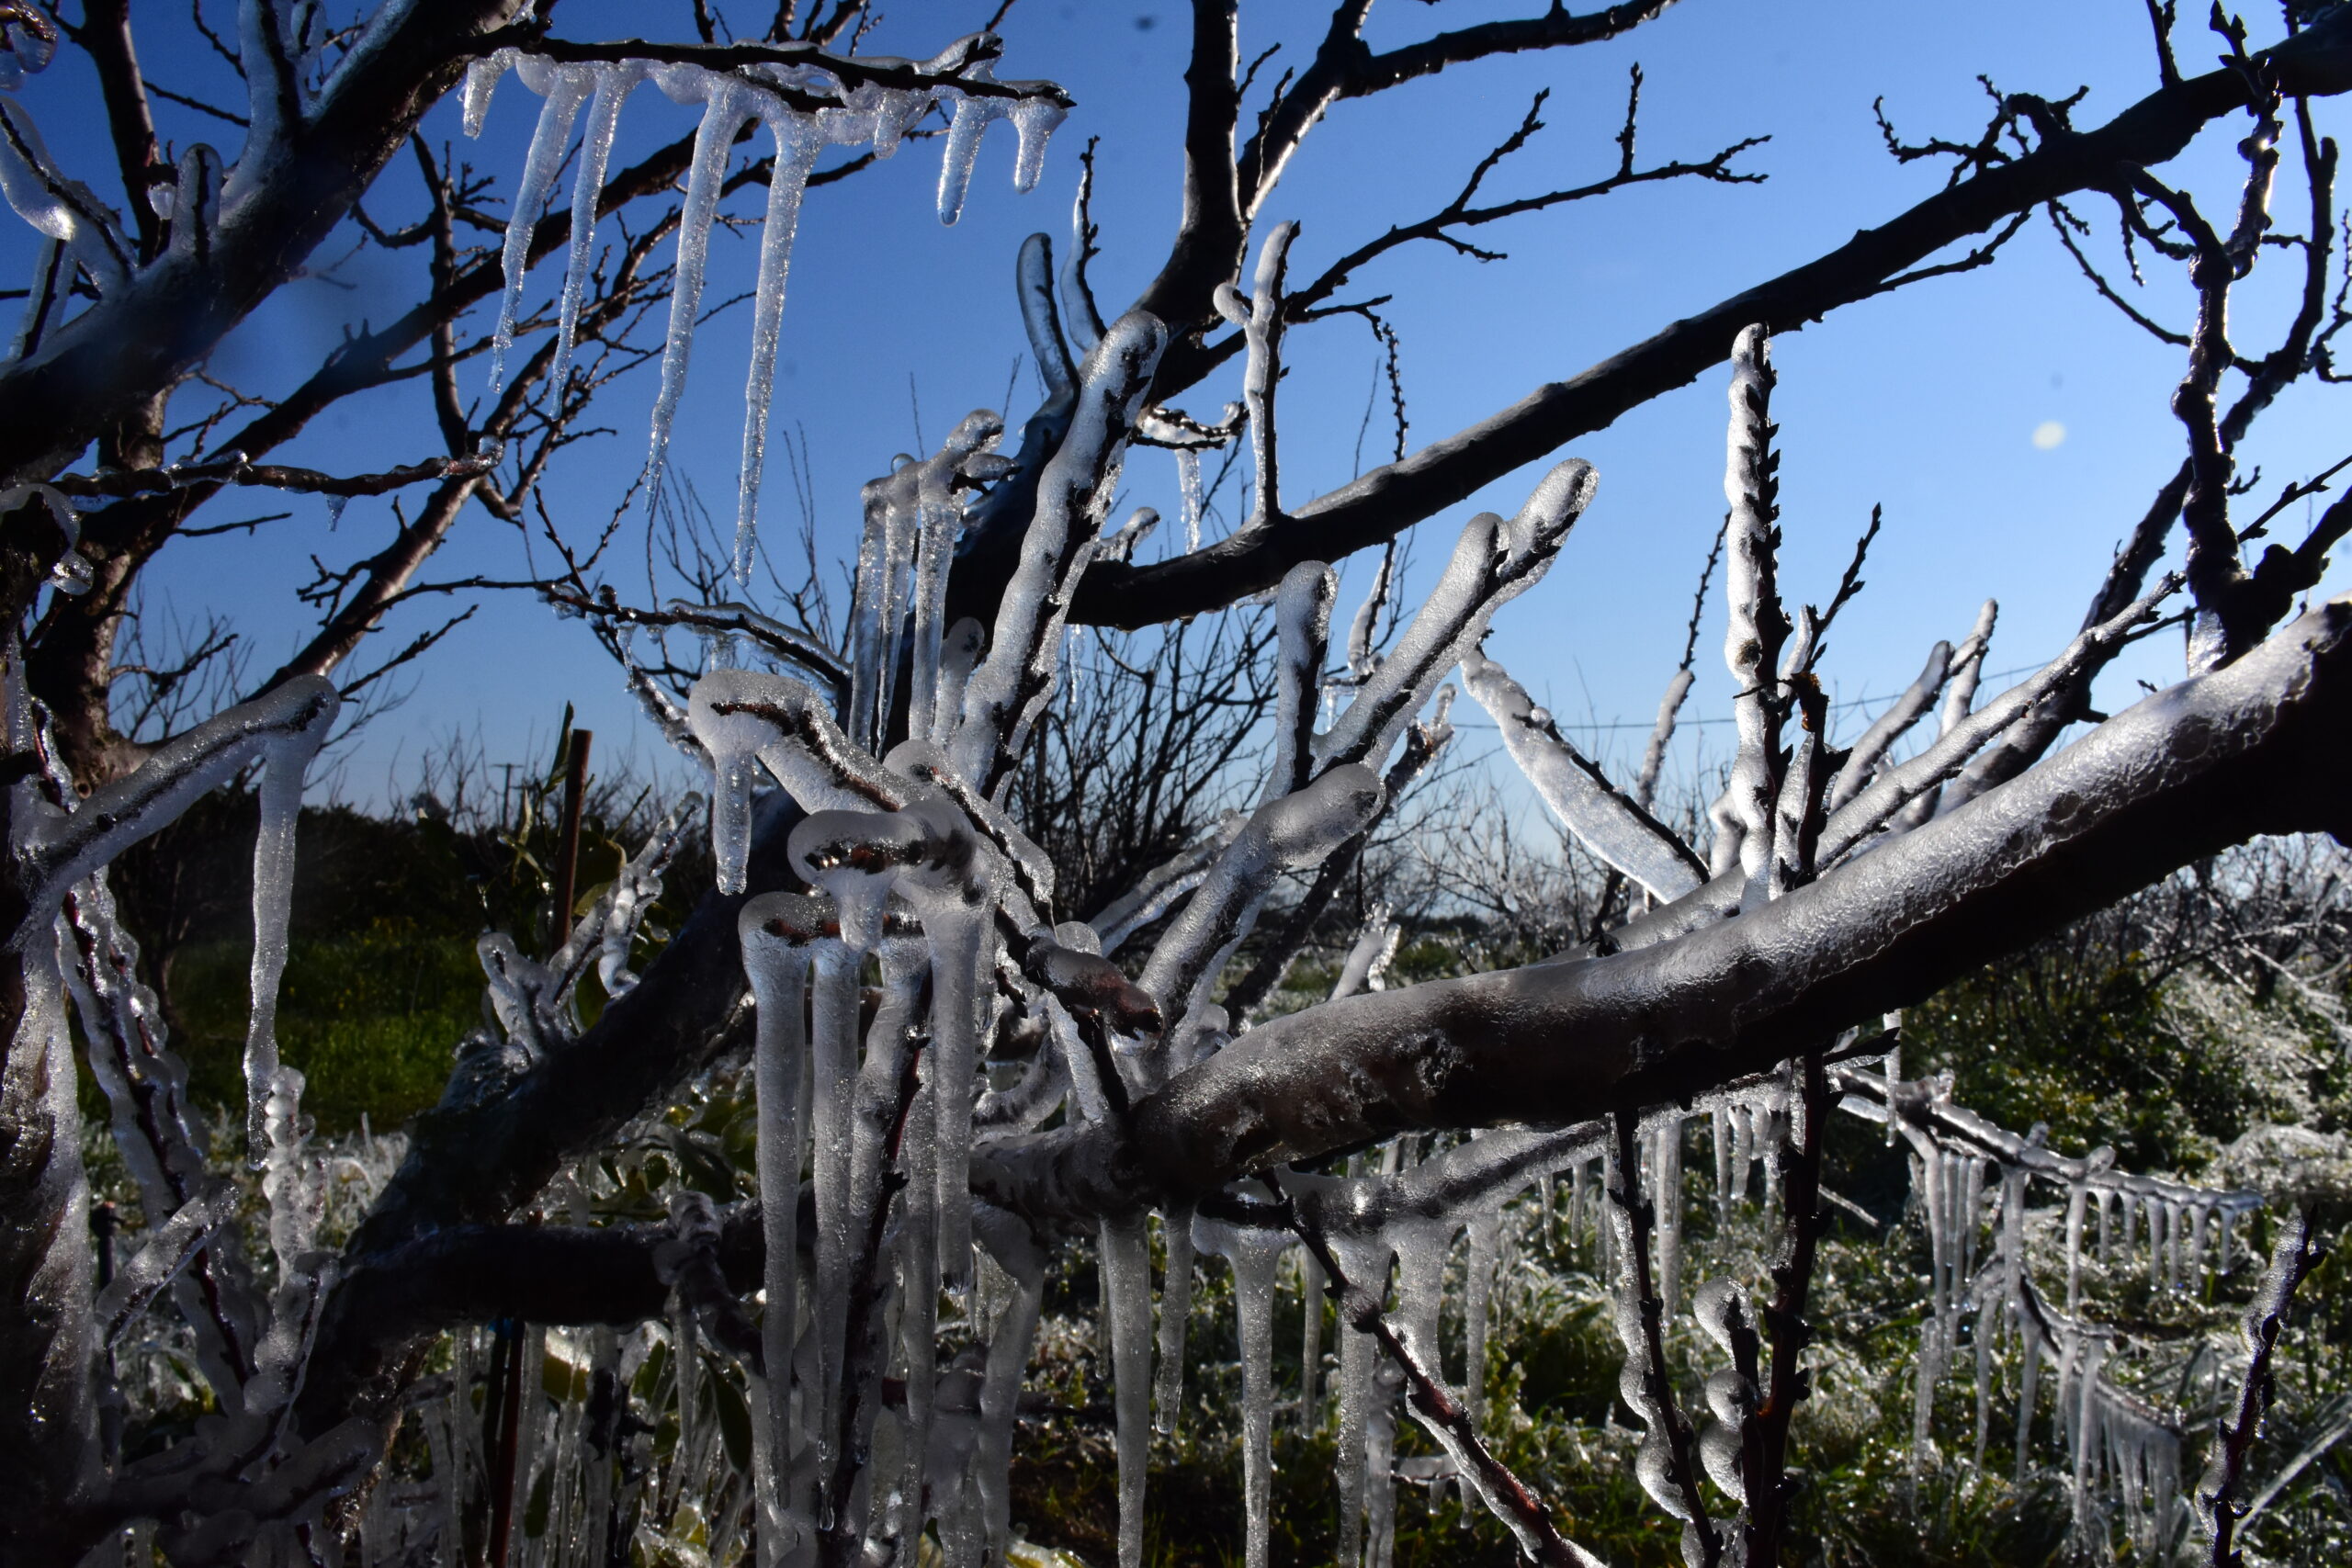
(834, 1426)
(805, 107)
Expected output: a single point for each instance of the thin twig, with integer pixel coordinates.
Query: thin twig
(1446, 1418)
(2293, 1258)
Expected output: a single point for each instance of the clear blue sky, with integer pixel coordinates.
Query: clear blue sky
(1927, 401)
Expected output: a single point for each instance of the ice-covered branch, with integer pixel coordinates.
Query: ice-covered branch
(1666, 1465)
(2207, 763)
(2294, 1257)
(1757, 626)
(1259, 316)
(1493, 563)
(1074, 494)
(1383, 503)
(1303, 615)
(1448, 1421)
(1604, 819)
(1964, 736)
(1298, 830)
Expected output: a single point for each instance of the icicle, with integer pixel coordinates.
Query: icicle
(2159, 1243)
(776, 931)
(613, 85)
(1254, 1314)
(1035, 120)
(2087, 1434)
(1255, 1256)
(1126, 1289)
(834, 1055)
(1310, 1352)
(482, 81)
(1665, 1195)
(2029, 1384)
(2226, 1217)
(966, 122)
(1987, 1313)
(1485, 1245)
(918, 1278)
(1972, 1217)
(727, 104)
(1008, 1346)
(796, 157)
(2076, 1192)
(1743, 1149)
(2106, 1209)
(567, 87)
(1175, 1310)
(1188, 484)
(1720, 1141)
(1366, 1267)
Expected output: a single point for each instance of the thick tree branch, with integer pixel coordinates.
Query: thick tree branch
(2258, 748)
(482, 1153)
(101, 365)
(1386, 500)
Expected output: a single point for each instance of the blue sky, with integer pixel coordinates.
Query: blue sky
(1926, 401)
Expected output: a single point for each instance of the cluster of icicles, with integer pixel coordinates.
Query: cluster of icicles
(1971, 1179)
(247, 1337)
(864, 114)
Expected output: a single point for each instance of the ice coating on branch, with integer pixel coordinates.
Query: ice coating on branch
(1669, 707)
(1610, 823)
(1493, 562)
(746, 718)
(1757, 626)
(1912, 781)
(1303, 629)
(168, 1249)
(1862, 761)
(1297, 831)
(797, 143)
(1367, 961)
(621, 911)
(1960, 697)
(1259, 316)
(66, 210)
(566, 88)
(1074, 494)
(913, 516)
(160, 1138)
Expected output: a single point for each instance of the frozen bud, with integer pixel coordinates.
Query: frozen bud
(1084, 980)
(1730, 1396)
(792, 917)
(1721, 1310)
(1719, 1452)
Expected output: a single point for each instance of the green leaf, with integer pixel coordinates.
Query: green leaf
(734, 1416)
